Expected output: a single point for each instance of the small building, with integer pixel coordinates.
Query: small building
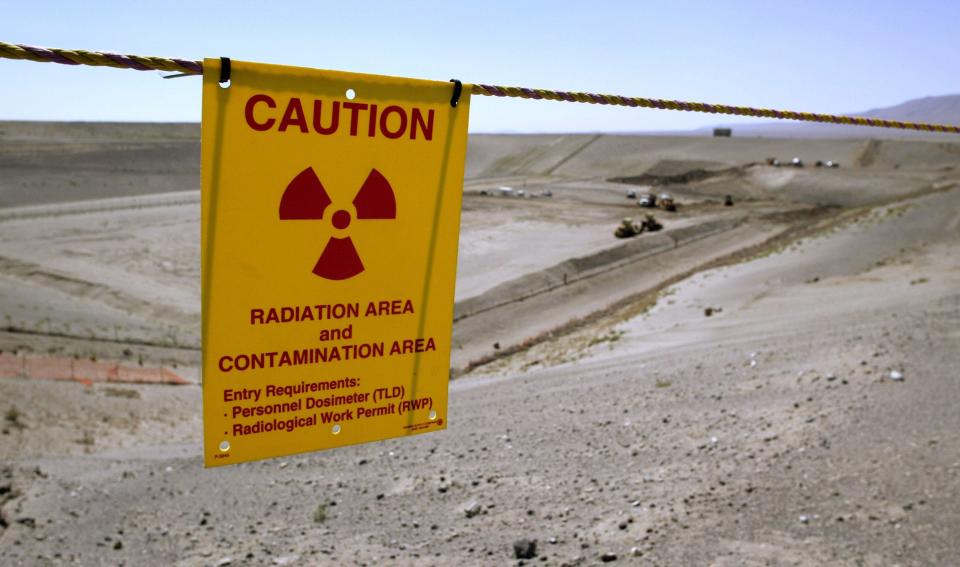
(722, 132)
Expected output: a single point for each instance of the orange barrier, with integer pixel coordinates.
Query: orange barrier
(82, 370)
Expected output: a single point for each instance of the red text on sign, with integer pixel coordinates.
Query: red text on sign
(262, 114)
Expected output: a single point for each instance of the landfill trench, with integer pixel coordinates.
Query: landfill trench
(537, 307)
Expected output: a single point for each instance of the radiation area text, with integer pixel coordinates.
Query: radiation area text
(242, 362)
(334, 331)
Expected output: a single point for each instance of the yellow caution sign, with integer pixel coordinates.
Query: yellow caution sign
(330, 218)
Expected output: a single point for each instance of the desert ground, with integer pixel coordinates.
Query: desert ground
(771, 383)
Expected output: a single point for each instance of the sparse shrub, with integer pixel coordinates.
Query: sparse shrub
(122, 393)
(662, 383)
(13, 416)
(610, 337)
(320, 514)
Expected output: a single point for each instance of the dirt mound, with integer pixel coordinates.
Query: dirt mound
(925, 155)
(673, 172)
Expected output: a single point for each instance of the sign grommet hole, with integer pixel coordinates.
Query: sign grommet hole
(224, 446)
(335, 429)
(433, 415)
(351, 94)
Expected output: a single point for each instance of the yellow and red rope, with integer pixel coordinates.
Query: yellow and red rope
(142, 63)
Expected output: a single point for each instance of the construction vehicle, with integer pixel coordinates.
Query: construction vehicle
(650, 224)
(667, 203)
(627, 229)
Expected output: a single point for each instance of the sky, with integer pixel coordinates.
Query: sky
(831, 57)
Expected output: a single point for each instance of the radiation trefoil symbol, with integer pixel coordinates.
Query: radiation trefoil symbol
(306, 199)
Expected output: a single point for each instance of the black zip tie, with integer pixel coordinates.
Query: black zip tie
(457, 91)
(224, 70)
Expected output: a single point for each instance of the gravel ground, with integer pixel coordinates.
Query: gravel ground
(787, 442)
(788, 402)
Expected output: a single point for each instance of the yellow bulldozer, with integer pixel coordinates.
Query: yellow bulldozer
(628, 228)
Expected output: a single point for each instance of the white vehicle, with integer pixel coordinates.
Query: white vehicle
(631, 194)
(521, 193)
(796, 162)
(831, 163)
(505, 191)
(647, 200)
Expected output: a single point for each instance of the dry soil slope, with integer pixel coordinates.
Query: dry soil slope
(50, 162)
(494, 155)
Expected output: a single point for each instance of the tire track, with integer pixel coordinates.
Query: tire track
(869, 154)
(573, 154)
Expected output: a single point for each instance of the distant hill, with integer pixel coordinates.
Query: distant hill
(933, 109)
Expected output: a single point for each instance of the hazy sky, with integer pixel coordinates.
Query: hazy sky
(819, 56)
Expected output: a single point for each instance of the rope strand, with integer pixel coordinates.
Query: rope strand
(98, 59)
(142, 63)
